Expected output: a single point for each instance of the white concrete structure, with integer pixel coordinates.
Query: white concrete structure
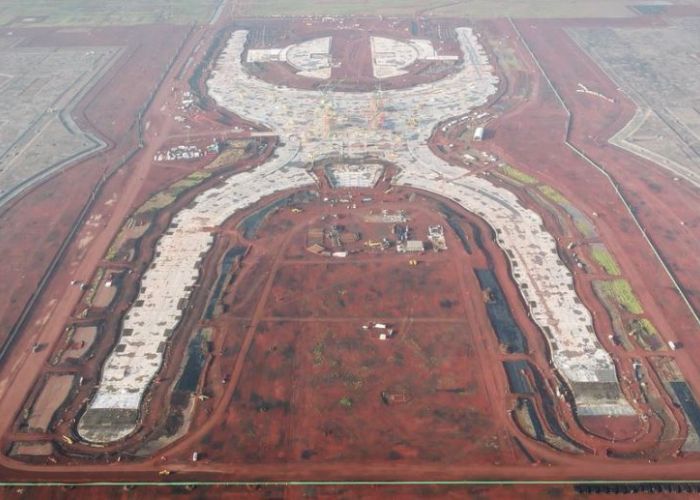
(167, 284)
(411, 115)
(390, 57)
(410, 246)
(363, 175)
(311, 58)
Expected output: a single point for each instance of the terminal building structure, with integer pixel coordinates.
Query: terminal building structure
(545, 283)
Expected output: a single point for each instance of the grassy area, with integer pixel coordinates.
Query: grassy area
(465, 8)
(646, 334)
(601, 255)
(585, 227)
(642, 326)
(553, 195)
(518, 175)
(620, 291)
(104, 12)
(645, 324)
(164, 198)
(233, 151)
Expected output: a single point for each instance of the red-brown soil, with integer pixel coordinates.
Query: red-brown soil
(293, 492)
(81, 342)
(531, 137)
(50, 398)
(275, 411)
(281, 407)
(318, 397)
(290, 413)
(129, 187)
(618, 428)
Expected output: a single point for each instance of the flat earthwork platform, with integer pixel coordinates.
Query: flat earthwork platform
(319, 384)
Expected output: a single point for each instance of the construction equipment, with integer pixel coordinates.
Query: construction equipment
(413, 262)
(67, 439)
(296, 210)
(164, 472)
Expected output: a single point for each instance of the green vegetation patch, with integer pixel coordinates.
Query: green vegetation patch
(646, 334)
(553, 195)
(585, 227)
(164, 198)
(646, 325)
(548, 194)
(605, 260)
(232, 151)
(518, 175)
(621, 292)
